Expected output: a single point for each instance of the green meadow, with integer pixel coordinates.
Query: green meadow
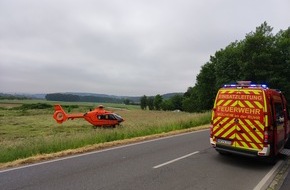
(27, 127)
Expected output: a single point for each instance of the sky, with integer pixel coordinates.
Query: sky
(121, 47)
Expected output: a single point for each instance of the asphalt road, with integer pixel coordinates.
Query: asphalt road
(180, 162)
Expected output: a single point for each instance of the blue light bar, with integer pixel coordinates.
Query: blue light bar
(246, 84)
(264, 86)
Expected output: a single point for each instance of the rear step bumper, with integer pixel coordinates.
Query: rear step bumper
(238, 151)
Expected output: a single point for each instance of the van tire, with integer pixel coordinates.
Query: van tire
(272, 160)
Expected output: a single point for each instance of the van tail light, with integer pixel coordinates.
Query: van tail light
(211, 130)
(266, 136)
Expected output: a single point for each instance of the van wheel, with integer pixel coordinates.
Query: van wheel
(271, 160)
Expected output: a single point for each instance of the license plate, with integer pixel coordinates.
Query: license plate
(223, 141)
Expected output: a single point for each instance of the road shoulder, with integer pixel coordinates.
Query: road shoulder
(281, 180)
(90, 148)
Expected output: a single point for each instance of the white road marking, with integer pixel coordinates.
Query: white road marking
(171, 161)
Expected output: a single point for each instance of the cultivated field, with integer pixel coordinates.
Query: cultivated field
(26, 132)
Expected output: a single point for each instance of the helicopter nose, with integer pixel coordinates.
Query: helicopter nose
(120, 119)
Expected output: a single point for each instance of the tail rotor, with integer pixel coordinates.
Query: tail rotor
(59, 114)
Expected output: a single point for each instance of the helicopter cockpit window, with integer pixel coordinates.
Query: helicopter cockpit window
(101, 116)
(118, 117)
(111, 117)
(107, 117)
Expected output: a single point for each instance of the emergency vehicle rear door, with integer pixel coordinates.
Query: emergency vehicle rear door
(239, 118)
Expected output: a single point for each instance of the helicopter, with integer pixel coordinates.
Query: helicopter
(98, 117)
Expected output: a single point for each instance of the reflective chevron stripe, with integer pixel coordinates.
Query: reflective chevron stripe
(239, 116)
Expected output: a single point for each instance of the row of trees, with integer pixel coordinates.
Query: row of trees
(12, 97)
(159, 103)
(261, 57)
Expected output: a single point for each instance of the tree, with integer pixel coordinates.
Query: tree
(177, 102)
(261, 57)
(190, 101)
(167, 105)
(227, 65)
(158, 101)
(150, 103)
(127, 102)
(282, 60)
(258, 51)
(205, 89)
(143, 102)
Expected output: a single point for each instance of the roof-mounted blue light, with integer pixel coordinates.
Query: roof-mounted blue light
(264, 86)
(248, 84)
(230, 85)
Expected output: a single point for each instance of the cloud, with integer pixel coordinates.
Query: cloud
(120, 47)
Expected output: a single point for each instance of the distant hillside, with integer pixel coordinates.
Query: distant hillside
(170, 95)
(5, 96)
(21, 96)
(80, 97)
(91, 94)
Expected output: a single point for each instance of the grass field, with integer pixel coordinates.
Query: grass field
(26, 132)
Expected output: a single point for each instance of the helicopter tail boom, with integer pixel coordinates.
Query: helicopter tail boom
(61, 116)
